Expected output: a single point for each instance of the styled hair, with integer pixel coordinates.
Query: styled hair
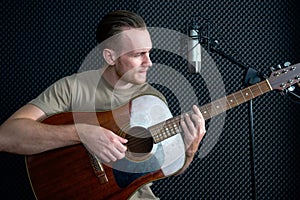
(115, 22)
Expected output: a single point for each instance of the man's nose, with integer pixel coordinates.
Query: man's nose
(147, 60)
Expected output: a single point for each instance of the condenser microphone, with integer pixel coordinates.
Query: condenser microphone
(194, 50)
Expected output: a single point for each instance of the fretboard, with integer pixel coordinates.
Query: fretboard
(172, 126)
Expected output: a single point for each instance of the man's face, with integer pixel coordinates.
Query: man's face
(133, 58)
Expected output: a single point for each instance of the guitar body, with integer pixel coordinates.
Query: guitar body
(74, 173)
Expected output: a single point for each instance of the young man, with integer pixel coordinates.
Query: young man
(126, 45)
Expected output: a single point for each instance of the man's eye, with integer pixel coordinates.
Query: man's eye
(140, 54)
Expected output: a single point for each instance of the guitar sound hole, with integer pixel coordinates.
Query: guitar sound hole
(140, 143)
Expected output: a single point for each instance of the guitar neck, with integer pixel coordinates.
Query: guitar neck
(172, 126)
(226, 103)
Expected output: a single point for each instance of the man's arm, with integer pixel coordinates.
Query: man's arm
(22, 133)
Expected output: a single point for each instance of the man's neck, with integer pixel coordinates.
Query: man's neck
(114, 80)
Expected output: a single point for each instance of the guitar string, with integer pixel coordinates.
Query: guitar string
(138, 141)
(158, 131)
(254, 90)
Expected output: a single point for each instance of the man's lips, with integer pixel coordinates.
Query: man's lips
(143, 71)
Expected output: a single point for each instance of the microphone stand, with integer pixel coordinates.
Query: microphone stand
(251, 77)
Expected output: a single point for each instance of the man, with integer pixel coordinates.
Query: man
(125, 44)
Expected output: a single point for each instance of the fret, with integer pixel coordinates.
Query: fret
(232, 101)
(165, 130)
(158, 137)
(164, 133)
(172, 126)
(241, 93)
(176, 128)
(211, 109)
(205, 112)
(224, 104)
(156, 132)
(170, 129)
(247, 94)
(255, 90)
(155, 138)
(237, 103)
(250, 89)
(239, 97)
(218, 106)
(207, 106)
(265, 87)
(261, 92)
(169, 132)
(229, 106)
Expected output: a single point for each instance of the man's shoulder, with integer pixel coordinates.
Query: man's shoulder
(81, 76)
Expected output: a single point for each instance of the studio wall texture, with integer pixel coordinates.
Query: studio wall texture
(43, 41)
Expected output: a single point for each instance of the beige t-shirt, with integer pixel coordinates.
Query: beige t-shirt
(88, 92)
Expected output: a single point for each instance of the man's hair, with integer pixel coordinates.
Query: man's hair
(115, 22)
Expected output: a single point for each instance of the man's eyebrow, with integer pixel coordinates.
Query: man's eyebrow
(142, 50)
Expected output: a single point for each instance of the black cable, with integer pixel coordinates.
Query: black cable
(252, 153)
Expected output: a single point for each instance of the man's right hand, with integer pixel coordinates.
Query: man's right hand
(105, 144)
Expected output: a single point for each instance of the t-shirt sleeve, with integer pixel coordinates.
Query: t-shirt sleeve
(56, 98)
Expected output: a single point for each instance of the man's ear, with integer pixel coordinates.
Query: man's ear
(109, 56)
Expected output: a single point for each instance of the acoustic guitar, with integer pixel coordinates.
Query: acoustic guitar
(155, 146)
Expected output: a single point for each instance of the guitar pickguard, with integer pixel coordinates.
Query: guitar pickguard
(168, 155)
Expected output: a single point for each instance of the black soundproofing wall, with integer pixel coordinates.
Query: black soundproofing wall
(43, 41)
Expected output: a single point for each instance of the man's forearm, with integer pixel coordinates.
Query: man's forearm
(26, 136)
